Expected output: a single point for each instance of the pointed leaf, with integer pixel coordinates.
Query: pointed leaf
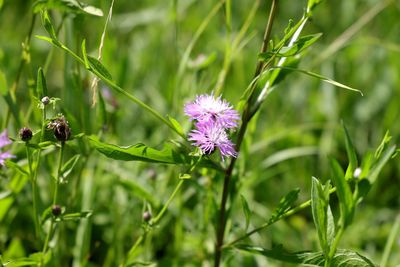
(3, 84)
(84, 54)
(376, 169)
(351, 154)
(139, 152)
(342, 258)
(319, 208)
(177, 125)
(98, 67)
(246, 210)
(75, 216)
(69, 165)
(284, 205)
(41, 87)
(322, 78)
(343, 192)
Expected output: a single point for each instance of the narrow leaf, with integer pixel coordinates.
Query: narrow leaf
(343, 192)
(284, 205)
(322, 78)
(84, 54)
(69, 166)
(246, 210)
(97, 66)
(177, 125)
(342, 258)
(3, 84)
(376, 169)
(351, 154)
(319, 208)
(41, 87)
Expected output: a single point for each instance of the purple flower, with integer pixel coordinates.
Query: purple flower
(208, 109)
(4, 140)
(209, 137)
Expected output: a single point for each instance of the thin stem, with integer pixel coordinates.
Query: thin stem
(390, 241)
(155, 220)
(228, 173)
(60, 159)
(34, 190)
(290, 212)
(55, 196)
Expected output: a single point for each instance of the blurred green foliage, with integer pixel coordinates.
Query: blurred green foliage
(290, 141)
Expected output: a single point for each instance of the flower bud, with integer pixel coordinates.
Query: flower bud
(25, 134)
(61, 129)
(146, 216)
(45, 100)
(56, 210)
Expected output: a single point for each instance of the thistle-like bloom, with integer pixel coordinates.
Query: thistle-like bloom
(209, 137)
(207, 109)
(4, 140)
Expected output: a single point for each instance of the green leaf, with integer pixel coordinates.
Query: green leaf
(320, 77)
(139, 191)
(70, 6)
(41, 87)
(139, 152)
(296, 48)
(69, 165)
(246, 210)
(351, 154)
(343, 192)
(284, 205)
(342, 258)
(98, 67)
(74, 216)
(386, 139)
(184, 176)
(84, 54)
(319, 208)
(49, 40)
(46, 21)
(376, 169)
(16, 167)
(3, 84)
(177, 125)
(5, 205)
(312, 4)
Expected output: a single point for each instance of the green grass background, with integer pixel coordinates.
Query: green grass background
(144, 44)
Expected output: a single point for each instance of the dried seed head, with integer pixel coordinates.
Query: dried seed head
(61, 129)
(56, 210)
(25, 134)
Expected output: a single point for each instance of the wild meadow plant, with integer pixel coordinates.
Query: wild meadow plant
(82, 210)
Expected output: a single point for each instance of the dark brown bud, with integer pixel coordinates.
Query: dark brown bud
(25, 134)
(146, 216)
(56, 210)
(61, 128)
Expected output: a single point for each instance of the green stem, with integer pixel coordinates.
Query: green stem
(34, 190)
(390, 241)
(228, 173)
(155, 220)
(60, 159)
(265, 225)
(55, 196)
(333, 248)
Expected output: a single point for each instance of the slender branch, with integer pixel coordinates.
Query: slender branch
(228, 173)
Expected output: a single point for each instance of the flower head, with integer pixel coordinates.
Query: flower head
(61, 128)
(208, 109)
(209, 137)
(4, 140)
